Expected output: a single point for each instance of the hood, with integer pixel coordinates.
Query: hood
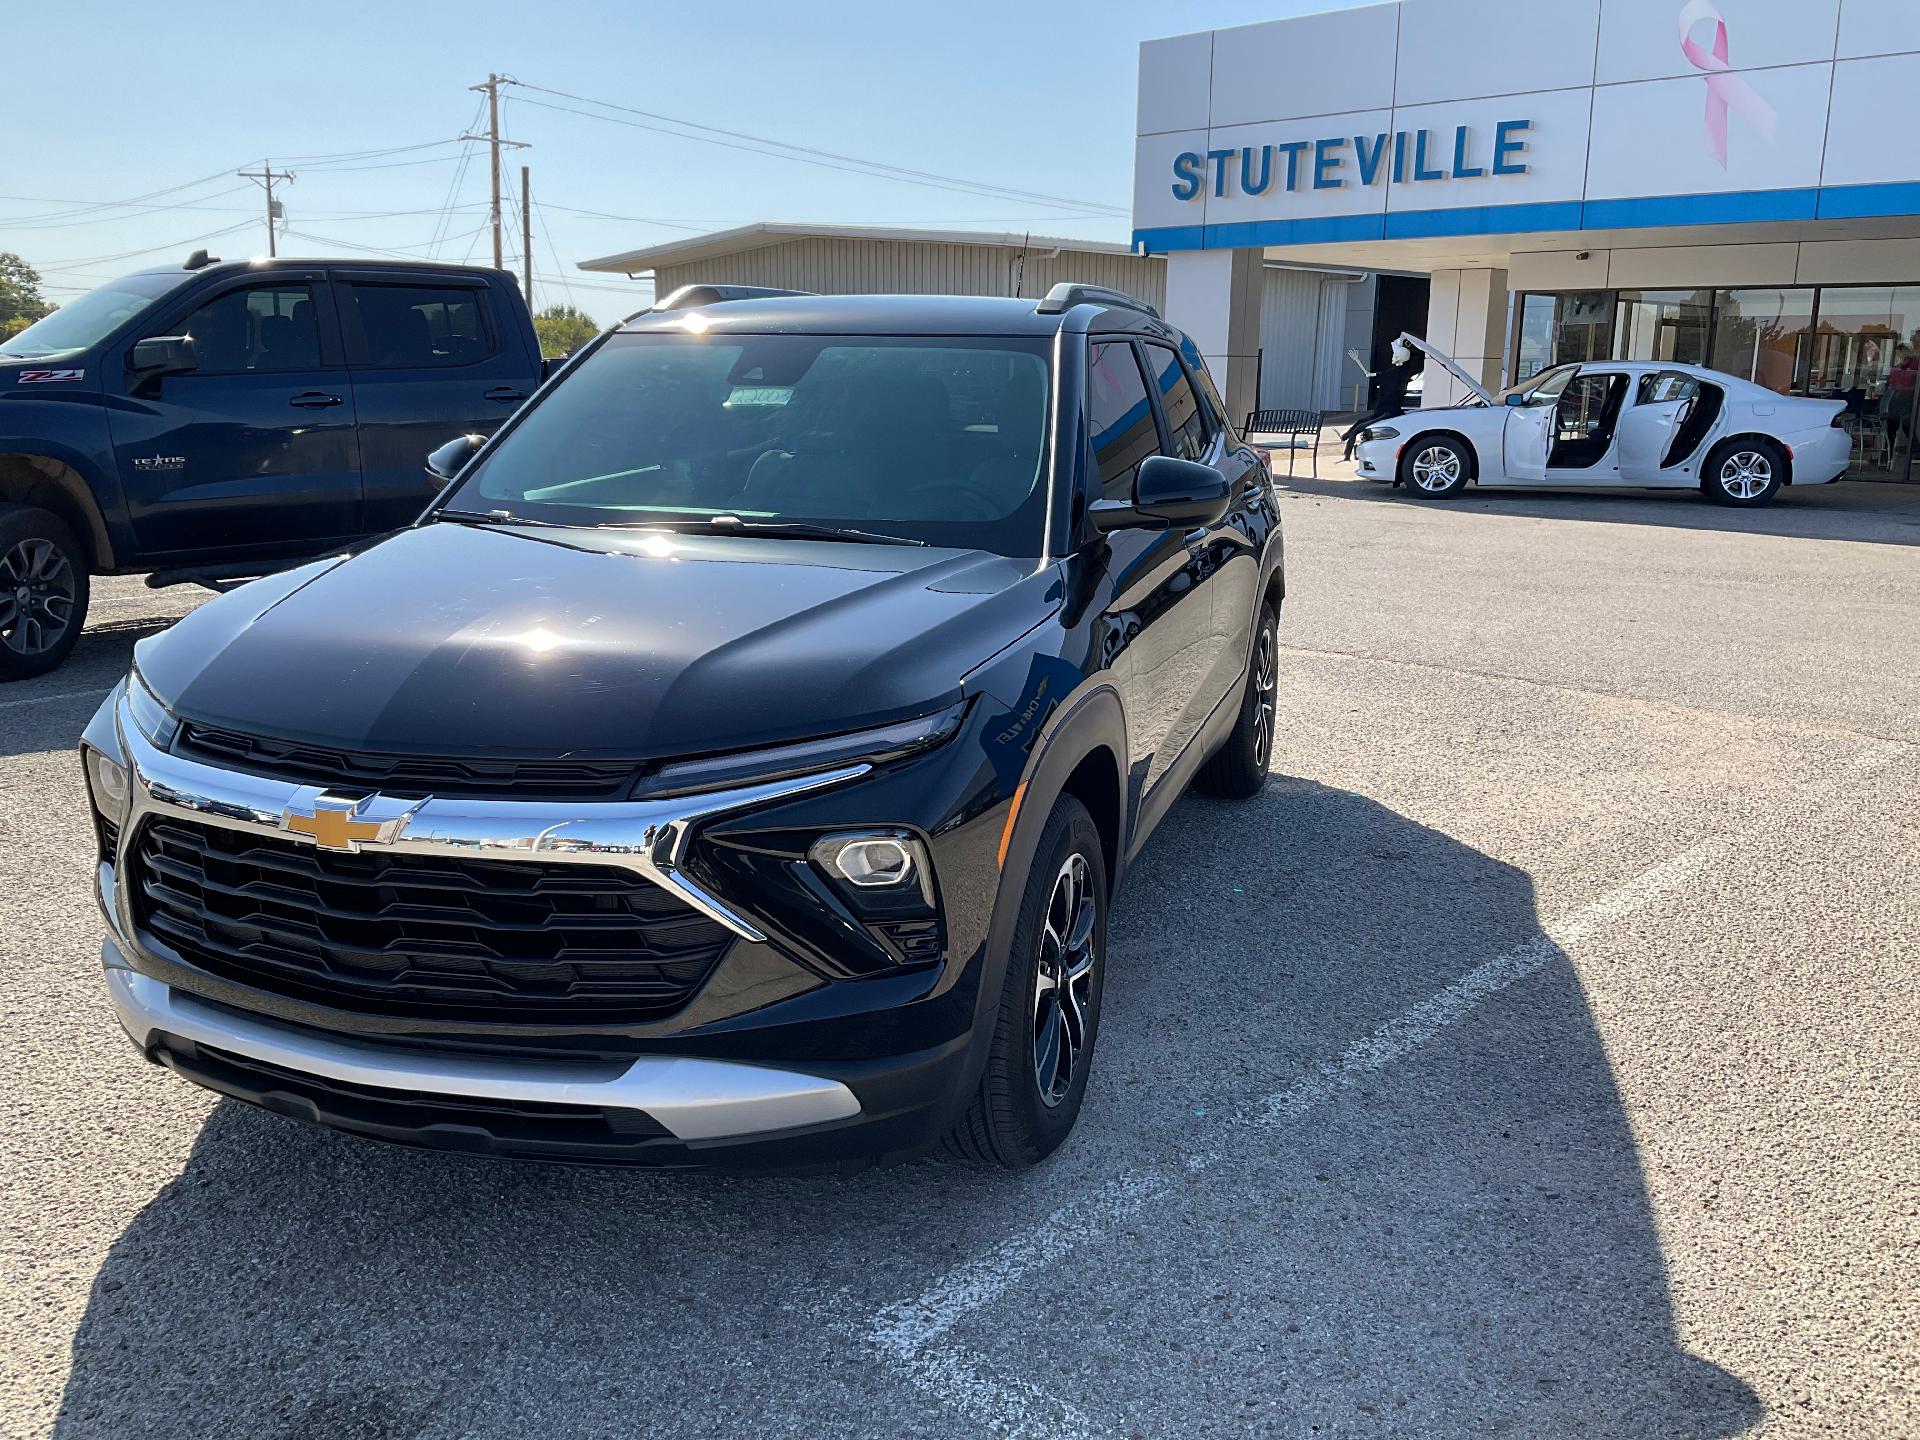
(1404, 347)
(458, 640)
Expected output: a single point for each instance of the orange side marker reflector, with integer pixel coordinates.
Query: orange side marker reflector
(1006, 835)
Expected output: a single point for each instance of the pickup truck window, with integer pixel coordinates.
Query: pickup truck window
(265, 328)
(941, 439)
(415, 327)
(80, 324)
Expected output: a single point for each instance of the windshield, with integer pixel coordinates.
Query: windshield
(939, 439)
(84, 322)
(1545, 386)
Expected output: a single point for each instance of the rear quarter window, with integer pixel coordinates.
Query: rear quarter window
(417, 327)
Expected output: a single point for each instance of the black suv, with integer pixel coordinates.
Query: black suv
(735, 764)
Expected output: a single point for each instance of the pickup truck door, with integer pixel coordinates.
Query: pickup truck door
(432, 357)
(1661, 403)
(1531, 422)
(254, 451)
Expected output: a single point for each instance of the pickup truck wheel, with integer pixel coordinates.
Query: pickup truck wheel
(1238, 769)
(43, 591)
(1049, 1014)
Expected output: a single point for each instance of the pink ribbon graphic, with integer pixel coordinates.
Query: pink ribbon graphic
(1725, 90)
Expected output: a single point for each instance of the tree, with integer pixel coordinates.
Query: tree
(563, 330)
(21, 302)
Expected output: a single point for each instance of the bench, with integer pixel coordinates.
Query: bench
(1297, 429)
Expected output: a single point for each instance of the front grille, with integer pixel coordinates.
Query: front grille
(477, 1125)
(408, 774)
(427, 936)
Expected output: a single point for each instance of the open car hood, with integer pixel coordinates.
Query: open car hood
(1404, 347)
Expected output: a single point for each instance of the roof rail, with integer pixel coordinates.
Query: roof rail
(1068, 294)
(688, 297)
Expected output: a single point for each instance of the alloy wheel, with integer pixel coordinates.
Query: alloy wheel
(1436, 468)
(1063, 980)
(38, 594)
(1746, 474)
(1266, 687)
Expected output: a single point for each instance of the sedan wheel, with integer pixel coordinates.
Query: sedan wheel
(1435, 467)
(1746, 472)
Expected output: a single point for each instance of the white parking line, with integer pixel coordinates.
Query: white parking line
(49, 699)
(914, 1335)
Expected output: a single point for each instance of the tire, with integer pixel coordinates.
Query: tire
(1743, 473)
(1435, 467)
(1012, 1122)
(43, 591)
(1238, 769)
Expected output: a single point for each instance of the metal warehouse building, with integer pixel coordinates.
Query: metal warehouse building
(1310, 317)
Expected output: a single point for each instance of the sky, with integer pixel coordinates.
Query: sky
(108, 103)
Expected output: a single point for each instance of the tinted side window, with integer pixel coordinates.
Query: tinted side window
(1119, 417)
(269, 328)
(416, 327)
(1187, 430)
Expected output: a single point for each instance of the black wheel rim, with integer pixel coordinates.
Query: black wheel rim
(1266, 686)
(38, 594)
(1063, 980)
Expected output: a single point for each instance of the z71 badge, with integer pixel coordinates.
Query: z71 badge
(50, 377)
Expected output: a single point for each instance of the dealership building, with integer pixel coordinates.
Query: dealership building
(1732, 183)
(1311, 319)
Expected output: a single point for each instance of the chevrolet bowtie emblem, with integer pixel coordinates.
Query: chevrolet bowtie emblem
(338, 825)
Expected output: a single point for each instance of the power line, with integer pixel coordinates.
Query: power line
(924, 177)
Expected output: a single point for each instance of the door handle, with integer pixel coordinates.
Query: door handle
(505, 394)
(314, 400)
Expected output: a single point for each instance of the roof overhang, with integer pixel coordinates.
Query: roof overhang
(696, 248)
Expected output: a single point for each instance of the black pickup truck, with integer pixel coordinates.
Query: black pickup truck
(224, 418)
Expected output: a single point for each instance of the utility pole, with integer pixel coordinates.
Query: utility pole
(526, 233)
(266, 177)
(494, 142)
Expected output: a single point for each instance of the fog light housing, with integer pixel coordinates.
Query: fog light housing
(875, 867)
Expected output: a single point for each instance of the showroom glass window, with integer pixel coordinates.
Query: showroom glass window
(1764, 335)
(1671, 326)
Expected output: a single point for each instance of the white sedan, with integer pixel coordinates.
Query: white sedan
(1641, 425)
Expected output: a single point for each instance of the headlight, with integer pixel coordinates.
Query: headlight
(1379, 432)
(149, 714)
(107, 785)
(778, 762)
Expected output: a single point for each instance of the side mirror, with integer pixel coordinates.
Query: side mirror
(1517, 400)
(163, 355)
(451, 458)
(1168, 494)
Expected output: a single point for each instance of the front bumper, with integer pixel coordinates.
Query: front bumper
(1377, 459)
(770, 1067)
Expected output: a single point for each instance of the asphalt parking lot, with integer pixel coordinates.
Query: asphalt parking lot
(1539, 1055)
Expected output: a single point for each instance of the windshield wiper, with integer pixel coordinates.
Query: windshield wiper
(495, 517)
(778, 529)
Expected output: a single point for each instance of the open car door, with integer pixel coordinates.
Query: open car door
(1532, 421)
(1662, 403)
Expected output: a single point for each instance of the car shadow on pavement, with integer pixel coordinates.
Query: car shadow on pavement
(1874, 513)
(1459, 1244)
